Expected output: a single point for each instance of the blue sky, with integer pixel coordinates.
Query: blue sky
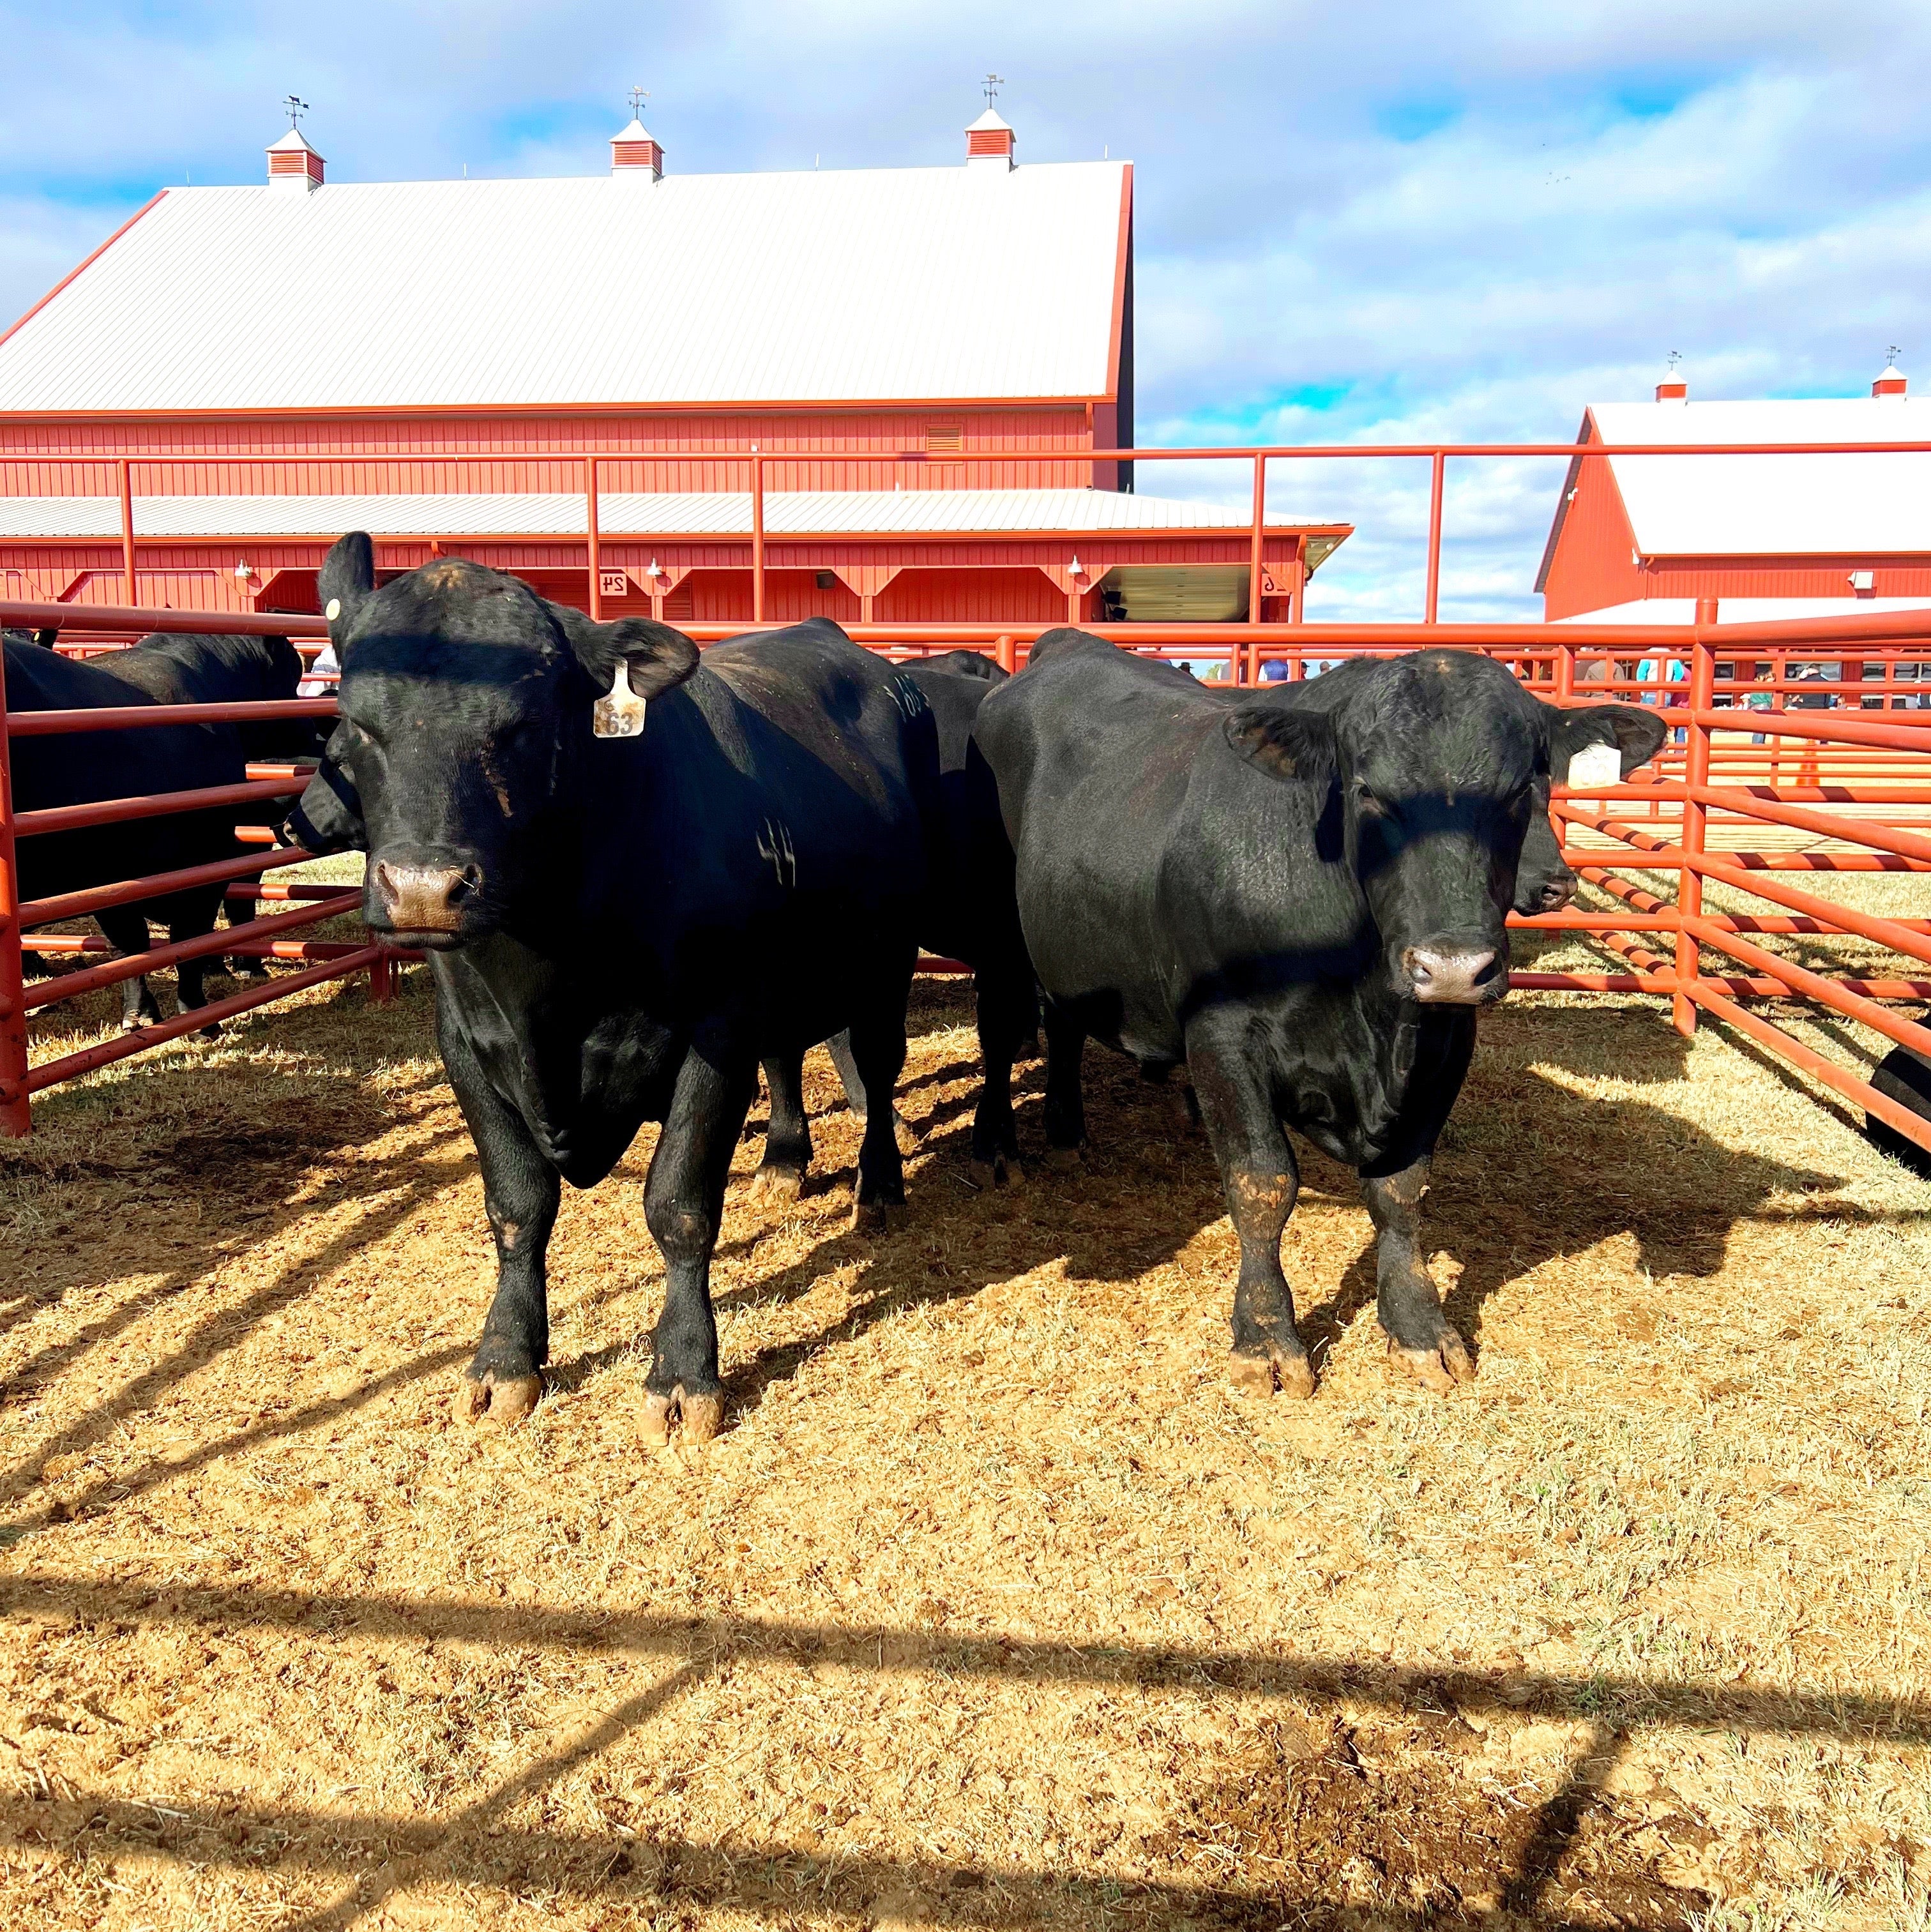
(1374, 222)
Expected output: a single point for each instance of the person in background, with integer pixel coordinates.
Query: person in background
(322, 675)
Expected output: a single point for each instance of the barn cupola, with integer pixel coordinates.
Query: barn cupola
(294, 163)
(990, 141)
(1892, 381)
(1674, 387)
(637, 152)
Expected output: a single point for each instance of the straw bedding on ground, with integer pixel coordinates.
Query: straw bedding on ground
(992, 1606)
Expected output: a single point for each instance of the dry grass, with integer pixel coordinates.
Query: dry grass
(992, 1606)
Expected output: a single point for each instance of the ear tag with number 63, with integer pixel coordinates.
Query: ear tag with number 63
(621, 714)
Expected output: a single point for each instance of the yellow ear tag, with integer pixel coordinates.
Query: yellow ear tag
(334, 609)
(621, 715)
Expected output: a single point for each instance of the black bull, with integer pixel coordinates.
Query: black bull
(1302, 897)
(620, 927)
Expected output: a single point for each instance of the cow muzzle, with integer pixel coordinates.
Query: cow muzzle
(1454, 976)
(1558, 889)
(424, 901)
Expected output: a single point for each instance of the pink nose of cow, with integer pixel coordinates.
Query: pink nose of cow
(423, 899)
(1456, 979)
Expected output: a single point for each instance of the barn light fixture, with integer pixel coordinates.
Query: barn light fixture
(1078, 569)
(243, 571)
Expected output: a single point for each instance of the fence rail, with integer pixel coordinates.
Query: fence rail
(1748, 790)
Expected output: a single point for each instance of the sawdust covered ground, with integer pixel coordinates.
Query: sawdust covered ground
(992, 1606)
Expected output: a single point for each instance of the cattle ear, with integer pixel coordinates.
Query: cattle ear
(633, 660)
(1635, 731)
(347, 576)
(1284, 744)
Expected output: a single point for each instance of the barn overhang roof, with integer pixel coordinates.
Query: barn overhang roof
(959, 514)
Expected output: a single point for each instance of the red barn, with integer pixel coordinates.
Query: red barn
(430, 361)
(1640, 538)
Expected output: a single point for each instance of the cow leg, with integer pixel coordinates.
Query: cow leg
(879, 1052)
(781, 1174)
(1065, 1111)
(839, 1047)
(520, 1191)
(125, 929)
(1258, 1171)
(190, 992)
(684, 1203)
(1007, 1012)
(1418, 1333)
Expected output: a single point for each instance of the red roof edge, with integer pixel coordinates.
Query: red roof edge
(1585, 432)
(1119, 282)
(72, 274)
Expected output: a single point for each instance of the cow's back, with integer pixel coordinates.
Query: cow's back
(776, 812)
(82, 768)
(1093, 751)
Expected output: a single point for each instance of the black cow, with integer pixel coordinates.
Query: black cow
(80, 768)
(623, 920)
(970, 914)
(1302, 899)
(1544, 882)
(193, 669)
(1903, 1076)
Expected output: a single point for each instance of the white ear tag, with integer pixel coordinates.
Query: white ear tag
(620, 715)
(334, 609)
(1595, 765)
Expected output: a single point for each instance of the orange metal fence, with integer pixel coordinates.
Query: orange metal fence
(1796, 747)
(89, 472)
(23, 933)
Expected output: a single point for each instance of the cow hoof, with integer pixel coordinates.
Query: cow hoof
(1001, 1171)
(777, 1186)
(138, 1023)
(505, 1402)
(876, 1217)
(1258, 1372)
(699, 1417)
(1440, 1368)
(903, 1133)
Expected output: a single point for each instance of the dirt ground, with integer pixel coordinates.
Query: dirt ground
(991, 1605)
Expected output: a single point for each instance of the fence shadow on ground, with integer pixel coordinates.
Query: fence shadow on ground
(1320, 1871)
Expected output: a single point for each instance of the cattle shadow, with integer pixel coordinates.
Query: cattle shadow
(192, 1198)
(1529, 1172)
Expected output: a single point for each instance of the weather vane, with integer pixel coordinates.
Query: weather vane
(637, 97)
(295, 108)
(1891, 355)
(1675, 357)
(990, 86)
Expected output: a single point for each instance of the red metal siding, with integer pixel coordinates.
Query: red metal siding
(980, 596)
(340, 454)
(1786, 577)
(1593, 566)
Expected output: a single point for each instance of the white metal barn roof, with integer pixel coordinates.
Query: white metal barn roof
(1774, 506)
(910, 284)
(621, 514)
(1744, 611)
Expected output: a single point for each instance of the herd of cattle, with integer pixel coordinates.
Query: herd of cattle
(640, 875)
